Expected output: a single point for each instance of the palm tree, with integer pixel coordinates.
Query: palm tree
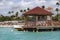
(28, 8)
(9, 12)
(57, 13)
(57, 9)
(24, 10)
(43, 6)
(12, 11)
(21, 10)
(14, 17)
(1, 15)
(16, 14)
(57, 3)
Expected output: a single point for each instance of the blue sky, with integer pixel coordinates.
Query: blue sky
(16, 5)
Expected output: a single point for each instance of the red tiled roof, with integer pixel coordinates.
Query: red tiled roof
(38, 11)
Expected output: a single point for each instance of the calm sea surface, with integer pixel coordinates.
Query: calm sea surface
(13, 34)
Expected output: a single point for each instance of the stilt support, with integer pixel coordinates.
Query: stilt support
(24, 30)
(33, 30)
(36, 30)
(52, 29)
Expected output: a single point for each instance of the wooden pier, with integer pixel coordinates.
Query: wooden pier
(39, 19)
(43, 28)
(39, 28)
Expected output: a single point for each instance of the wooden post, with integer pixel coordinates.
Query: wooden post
(33, 30)
(25, 20)
(24, 30)
(51, 17)
(52, 29)
(36, 30)
(36, 21)
(48, 17)
(51, 21)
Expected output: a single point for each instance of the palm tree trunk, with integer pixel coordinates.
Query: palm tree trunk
(57, 15)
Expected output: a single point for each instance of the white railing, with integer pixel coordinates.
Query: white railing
(42, 24)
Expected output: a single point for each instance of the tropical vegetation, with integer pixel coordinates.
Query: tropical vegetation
(16, 17)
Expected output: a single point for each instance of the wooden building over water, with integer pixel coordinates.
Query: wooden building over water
(38, 19)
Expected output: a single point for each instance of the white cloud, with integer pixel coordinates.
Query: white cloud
(10, 3)
(1, 3)
(22, 4)
(54, 2)
(32, 3)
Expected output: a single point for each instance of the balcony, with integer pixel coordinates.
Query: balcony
(37, 24)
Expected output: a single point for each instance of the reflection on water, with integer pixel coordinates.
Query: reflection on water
(13, 34)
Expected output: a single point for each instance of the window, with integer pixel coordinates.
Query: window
(31, 18)
(42, 18)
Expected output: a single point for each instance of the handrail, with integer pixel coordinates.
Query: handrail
(42, 23)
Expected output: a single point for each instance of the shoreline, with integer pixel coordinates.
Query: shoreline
(6, 26)
(39, 29)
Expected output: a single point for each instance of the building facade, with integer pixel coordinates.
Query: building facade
(37, 17)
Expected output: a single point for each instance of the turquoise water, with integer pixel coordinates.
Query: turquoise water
(13, 34)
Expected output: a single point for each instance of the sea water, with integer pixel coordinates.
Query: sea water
(13, 34)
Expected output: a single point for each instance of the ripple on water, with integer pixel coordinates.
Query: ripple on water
(7, 34)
